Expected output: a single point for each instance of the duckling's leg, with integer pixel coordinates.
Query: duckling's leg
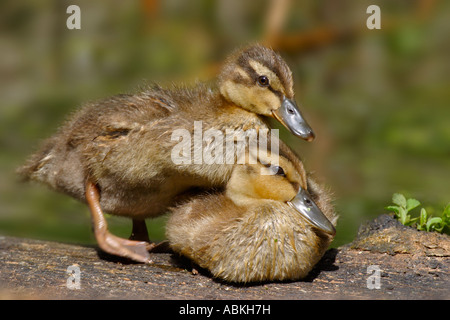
(135, 250)
(139, 231)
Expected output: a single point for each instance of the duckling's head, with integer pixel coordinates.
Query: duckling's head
(256, 230)
(259, 181)
(259, 80)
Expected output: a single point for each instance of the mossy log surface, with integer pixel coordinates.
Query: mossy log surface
(412, 264)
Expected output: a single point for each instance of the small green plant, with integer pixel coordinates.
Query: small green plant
(425, 221)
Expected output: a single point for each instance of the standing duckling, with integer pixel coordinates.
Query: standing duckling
(115, 154)
(271, 223)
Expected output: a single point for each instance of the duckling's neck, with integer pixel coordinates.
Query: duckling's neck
(236, 116)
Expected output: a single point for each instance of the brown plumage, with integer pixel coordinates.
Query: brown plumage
(115, 154)
(249, 232)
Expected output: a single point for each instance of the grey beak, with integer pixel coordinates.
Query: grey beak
(303, 203)
(290, 116)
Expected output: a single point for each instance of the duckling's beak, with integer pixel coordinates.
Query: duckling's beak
(290, 116)
(303, 203)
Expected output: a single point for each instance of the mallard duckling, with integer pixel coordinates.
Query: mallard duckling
(115, 154)
(270, 223)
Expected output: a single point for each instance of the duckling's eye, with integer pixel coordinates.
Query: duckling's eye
(278, 171)
(263, 81)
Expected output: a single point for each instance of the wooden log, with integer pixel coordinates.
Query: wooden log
(407, 264)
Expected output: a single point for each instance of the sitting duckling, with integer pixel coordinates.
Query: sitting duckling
(265, 226)
(115, 154)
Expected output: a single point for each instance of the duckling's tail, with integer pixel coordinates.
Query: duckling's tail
(57, 166)
(36, 167)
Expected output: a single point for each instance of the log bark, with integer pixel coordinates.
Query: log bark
(385, 261)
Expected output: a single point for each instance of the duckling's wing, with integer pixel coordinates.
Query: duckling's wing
(65, 159)
(121, 131)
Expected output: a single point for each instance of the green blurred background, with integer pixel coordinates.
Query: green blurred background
(378, 100)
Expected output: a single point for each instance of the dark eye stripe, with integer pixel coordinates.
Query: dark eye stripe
(238, 78)
(276, 92)
(245, 65)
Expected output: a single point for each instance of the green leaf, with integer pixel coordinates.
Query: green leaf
(411, 204)
(421, 227)
(392, 208)
(407, 220)
(432, 222)
(399, 199)
(413, 220)
(423, 220)
(402, 215)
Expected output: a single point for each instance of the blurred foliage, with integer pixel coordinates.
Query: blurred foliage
(378, 100)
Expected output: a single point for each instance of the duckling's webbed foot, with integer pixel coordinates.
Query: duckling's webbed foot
(134, 250)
